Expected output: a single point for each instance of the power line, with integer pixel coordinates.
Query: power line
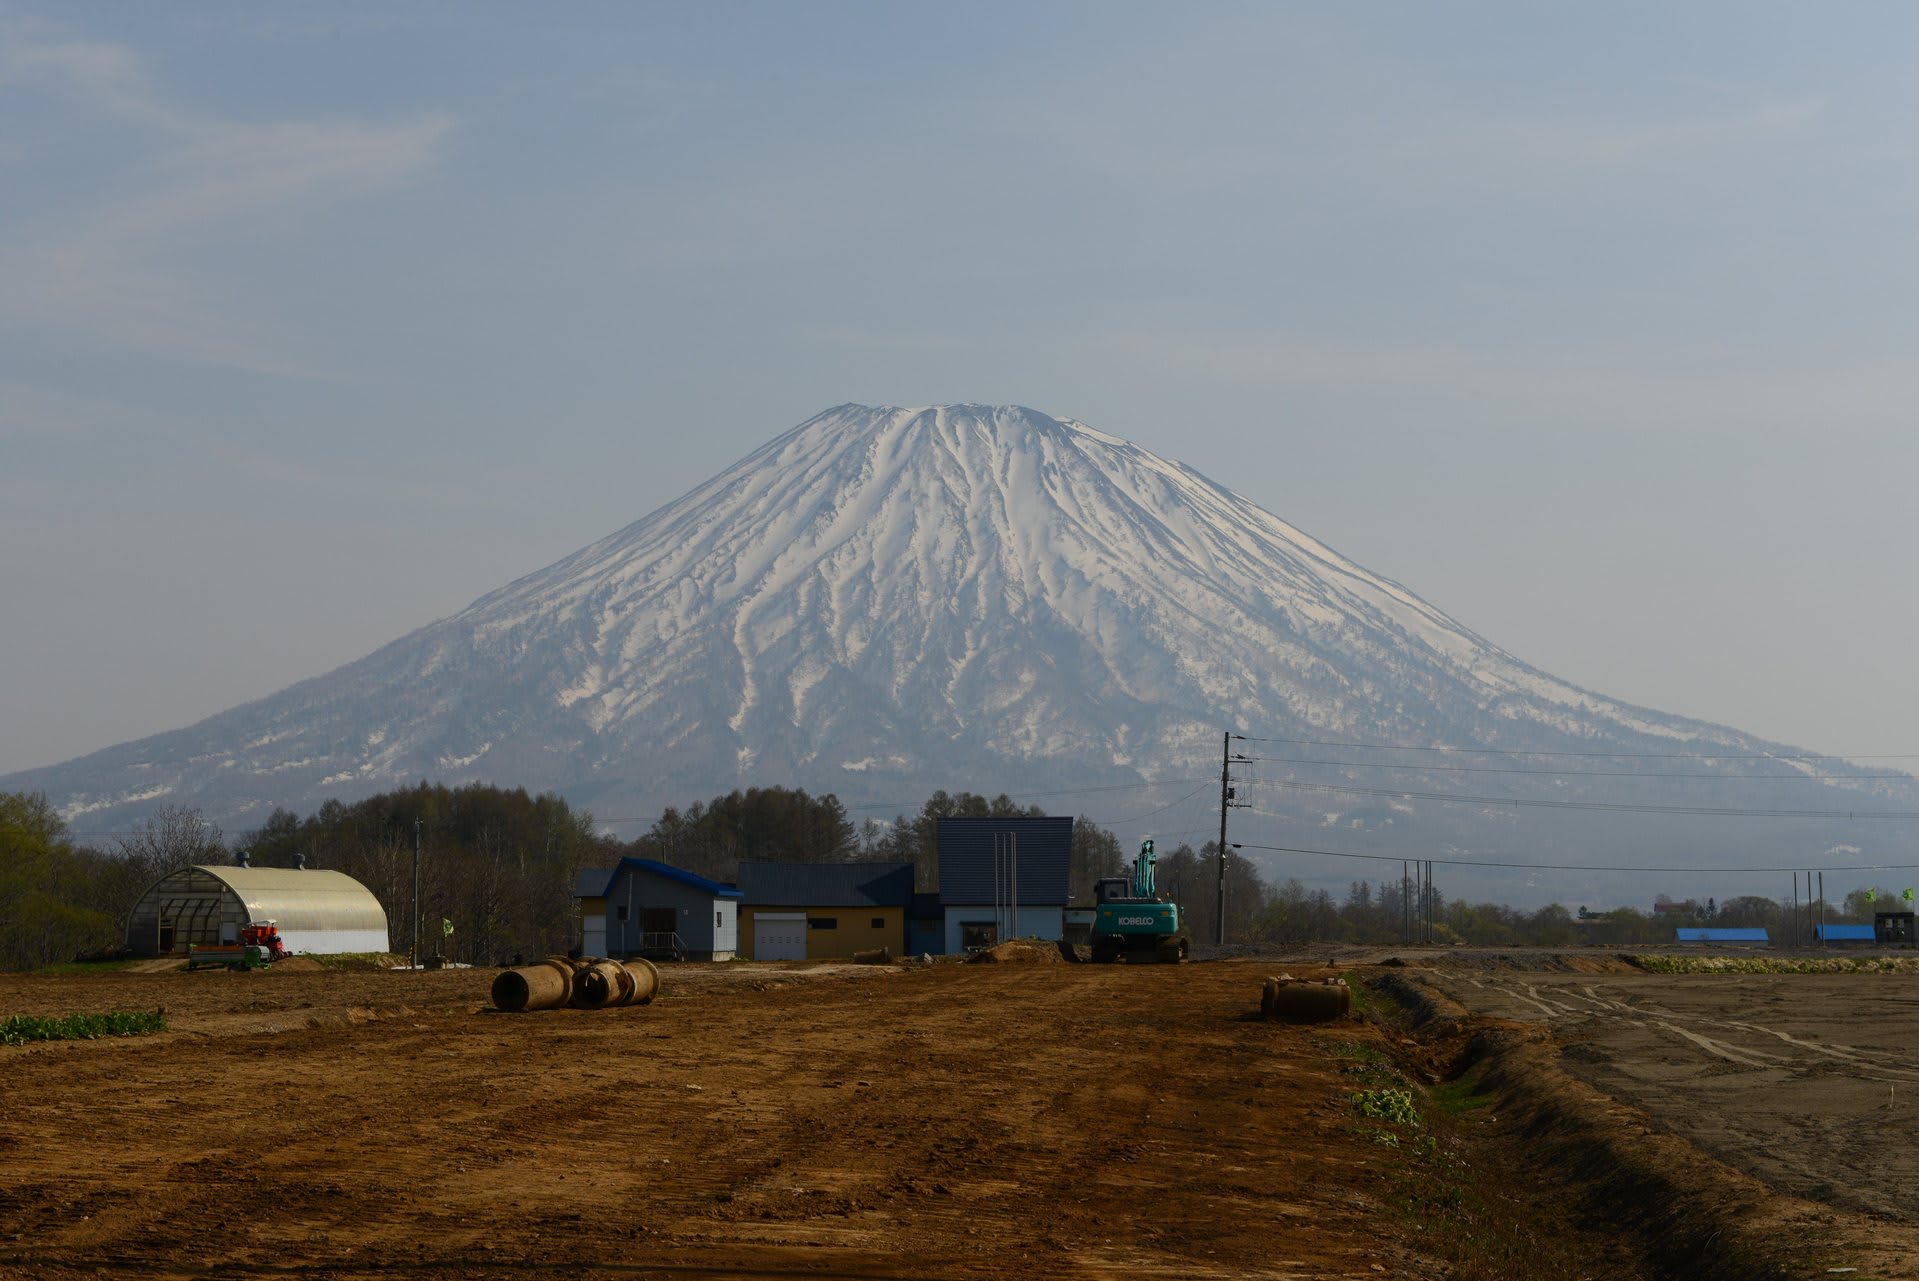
(1585, 773)
(1573, 867)
(1650, 756)
(1611, 806)
(1115, 822)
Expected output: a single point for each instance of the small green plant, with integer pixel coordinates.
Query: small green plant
(1369, 1003)
(1367, 1064)
(1388, 1103)
(1369, 1054)
(18, 1029)
(1459, 1096)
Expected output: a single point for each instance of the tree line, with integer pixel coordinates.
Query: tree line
(497, 865)
(502, 868)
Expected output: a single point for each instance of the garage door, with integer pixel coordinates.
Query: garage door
(779, 938)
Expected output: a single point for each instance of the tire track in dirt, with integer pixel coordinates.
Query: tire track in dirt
(1794, 1078)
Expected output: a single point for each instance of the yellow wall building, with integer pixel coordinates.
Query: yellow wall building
(820, 911)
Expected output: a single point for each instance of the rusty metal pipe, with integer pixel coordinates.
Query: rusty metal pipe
(545, 986)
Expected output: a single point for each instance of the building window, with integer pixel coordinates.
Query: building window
(879, 922)
(719, 919)
(822, 922)
(978, 934)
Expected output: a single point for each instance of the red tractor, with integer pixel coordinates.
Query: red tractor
(264, 935)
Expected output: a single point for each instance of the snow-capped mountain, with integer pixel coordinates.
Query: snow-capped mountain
(883, 601)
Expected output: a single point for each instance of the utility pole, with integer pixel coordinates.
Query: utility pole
(1822, 909)
(1431, 915)
(1226, 802)
(1792, 933)
(413, 947)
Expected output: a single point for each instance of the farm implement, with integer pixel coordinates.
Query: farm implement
(257, 946)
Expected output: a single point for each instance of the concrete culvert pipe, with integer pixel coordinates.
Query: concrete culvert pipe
(1270, 990)
(639, 980)
(545, 986)
(1295, 1002)
(598, 985)
(874, 956)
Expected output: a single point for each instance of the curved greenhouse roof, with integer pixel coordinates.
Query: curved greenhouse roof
(303, 899)
(316, 911)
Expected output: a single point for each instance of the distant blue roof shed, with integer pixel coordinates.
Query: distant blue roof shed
(1690, 934)
(1845, 933)
(966, 855)
(597, 882)
(826, 884)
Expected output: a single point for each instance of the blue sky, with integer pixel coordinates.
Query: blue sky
(1594, 326)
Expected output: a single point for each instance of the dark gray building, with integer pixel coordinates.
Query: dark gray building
(1003, 878)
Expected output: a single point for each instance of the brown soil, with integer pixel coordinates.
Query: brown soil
(772, 1121)
(1748, 1110)
(1801, 1078)
(858, 1121)
(1019, 952)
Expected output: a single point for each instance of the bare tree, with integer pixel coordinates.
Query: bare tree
(169, 839)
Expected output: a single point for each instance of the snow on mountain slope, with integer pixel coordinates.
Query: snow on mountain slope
(879, 602)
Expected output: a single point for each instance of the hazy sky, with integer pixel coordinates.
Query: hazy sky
(1596, 326)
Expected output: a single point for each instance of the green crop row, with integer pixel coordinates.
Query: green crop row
(17, 1029)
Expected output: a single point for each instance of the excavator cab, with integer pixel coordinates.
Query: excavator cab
(1130, 919)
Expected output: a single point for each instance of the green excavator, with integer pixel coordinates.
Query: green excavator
(1131, 921)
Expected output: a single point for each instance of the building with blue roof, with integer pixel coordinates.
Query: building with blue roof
(1840, 933)
(1746, 936)
(644, 907)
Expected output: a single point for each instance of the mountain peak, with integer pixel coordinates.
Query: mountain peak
(880, 601)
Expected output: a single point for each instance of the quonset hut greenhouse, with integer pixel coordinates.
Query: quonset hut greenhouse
(316, 911)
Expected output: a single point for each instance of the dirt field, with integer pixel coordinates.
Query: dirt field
(1015, 1120)
(1808, 1081)
(963, 1121)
